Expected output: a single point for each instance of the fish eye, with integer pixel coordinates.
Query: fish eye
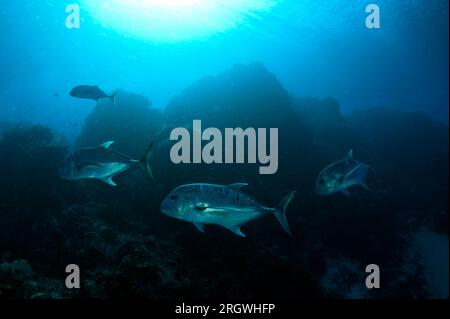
(173, 196)
(322, 181)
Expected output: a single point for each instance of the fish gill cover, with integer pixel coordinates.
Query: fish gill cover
(127, 248)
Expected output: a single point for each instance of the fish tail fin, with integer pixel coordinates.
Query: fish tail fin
(280, 211)
(144, 161)
(113, 96)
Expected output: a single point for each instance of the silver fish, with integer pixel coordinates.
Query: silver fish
(226, 206)
(90, 92)
(340, 175)
(101, 163)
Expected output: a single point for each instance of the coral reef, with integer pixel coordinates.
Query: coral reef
(126, 248)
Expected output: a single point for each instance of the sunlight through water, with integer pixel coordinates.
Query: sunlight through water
(174, 20)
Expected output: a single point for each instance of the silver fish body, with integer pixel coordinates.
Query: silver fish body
(340, 175)
(226, 206)
(100, 162)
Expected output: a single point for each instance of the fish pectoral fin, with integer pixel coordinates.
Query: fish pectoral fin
(200, 226)
(109, 181)
(237, 186)
(237, 230)
(345, 191)
(79, 167)
(106, 144)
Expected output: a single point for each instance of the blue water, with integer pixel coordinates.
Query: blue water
(315, 48)
(309, 67)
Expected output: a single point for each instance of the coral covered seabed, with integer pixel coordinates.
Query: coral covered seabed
(126, 248)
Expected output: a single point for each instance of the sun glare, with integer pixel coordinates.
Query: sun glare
(174, 20)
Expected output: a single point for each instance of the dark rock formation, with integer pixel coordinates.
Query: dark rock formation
(130, 122)
(127, 248)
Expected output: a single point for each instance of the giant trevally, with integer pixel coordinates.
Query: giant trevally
(224, 205)
(340, 175)
(91, 92)
(101, 163)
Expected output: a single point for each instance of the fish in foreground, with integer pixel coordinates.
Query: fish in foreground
(91, 92)
(101, 163)
(340, 175)
(223, 205)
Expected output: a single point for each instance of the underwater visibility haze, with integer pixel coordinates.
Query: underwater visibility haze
(117, 151)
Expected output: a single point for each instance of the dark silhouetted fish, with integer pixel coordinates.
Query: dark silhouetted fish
(90, 92)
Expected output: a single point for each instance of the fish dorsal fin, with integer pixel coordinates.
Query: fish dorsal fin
(199, 226)
(349, 156)
(237, 186)
(106, 144)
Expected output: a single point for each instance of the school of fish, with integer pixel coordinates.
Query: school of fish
(201, 203)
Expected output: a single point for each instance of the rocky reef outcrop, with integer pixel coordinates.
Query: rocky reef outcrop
(127, 248)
